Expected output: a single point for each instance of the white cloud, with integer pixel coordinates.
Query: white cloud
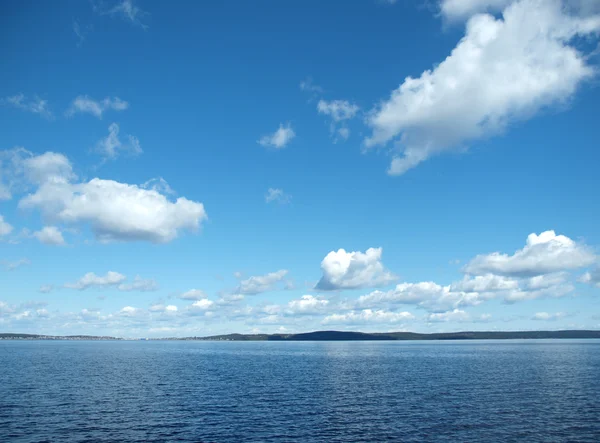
(531, 294)
(127, 10)
(12, 171)
(545, 281)
(502, 71)
(261, 283)
(89, 314)
(45, 289)
(338, 110)
(307, 304)
(455, 315)
(403, 293)
(81, 32)
(428, 295)
(548, 317)
(50, 235)
(353, 270)
(86, 105)
(525, 282)
(277, 195)
(368, 316)
(90, 280)
(543, 254)
(49, 167)
(42, 312)
(308, 86)
(139, 284)
(111, 146)
(35, 106)
(111, 279)
(343, 133)
(5, 228)
(159, 307)
(278, 139)
(463, 9)
(116, 211)
(193, 294)
(230, 299)
(201, 305)
(5, 193)
(129, 311)
(23, 315)
(591, 277)
(11, 266)
(160, 185)
(485, 283)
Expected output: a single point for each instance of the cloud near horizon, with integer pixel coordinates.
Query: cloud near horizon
(353, 270)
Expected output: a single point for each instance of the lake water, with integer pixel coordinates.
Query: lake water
(467, 391)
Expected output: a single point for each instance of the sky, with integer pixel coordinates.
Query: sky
(178, 169)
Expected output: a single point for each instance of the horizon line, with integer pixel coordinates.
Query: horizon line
(335, 335)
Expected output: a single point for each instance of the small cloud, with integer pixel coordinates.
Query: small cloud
(35, 105)
(353, 270)
(277, 195)
(45, 289)
(129, 311)
(139, 284)
(200, 306)
(455, 315)
(484, 318)
(545, 316)
(159, 307)
(159, 185)
(289, 285)
(127, 10)
(111, 145)
(193, 294)
(340, 111)
(343, 133)
(5, 228)
(50, 235)
(308, 86)
(260, 283)
(591, 277)
(86, 105)
(11, 266)
(81, 32)
(278, 139)
(92, 280)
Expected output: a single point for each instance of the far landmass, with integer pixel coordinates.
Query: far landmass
(339, 336)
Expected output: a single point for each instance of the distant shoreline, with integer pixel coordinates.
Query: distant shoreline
(336, 336)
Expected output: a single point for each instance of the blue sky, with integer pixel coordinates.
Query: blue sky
(213, 167)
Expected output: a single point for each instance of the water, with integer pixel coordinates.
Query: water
(476, 391)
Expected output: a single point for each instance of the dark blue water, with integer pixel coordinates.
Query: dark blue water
(308, 392)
